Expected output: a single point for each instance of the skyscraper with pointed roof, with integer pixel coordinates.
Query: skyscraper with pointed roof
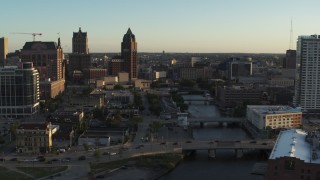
(129, 54)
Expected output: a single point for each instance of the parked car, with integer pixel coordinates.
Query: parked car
(82, 158)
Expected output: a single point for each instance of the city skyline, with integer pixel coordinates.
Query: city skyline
(173, 26)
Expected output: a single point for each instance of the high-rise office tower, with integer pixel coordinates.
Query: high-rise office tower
(80, 58)
(289, 62)
(48, 59)
(307, 85)
(3, 50)
(129, 54)
(19, 91)
(80, 42)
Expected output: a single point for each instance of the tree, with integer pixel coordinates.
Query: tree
(118, 87)
(2, 141)
(98, 113)
(86, 147)
(137, 119)
(13, 130)
(187, 83)
(97, 153)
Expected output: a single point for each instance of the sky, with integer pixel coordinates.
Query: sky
(194, 26)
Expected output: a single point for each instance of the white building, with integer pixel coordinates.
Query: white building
(160, 74)
(262, 116)
(307, 87)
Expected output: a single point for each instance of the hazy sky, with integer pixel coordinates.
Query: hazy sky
(172, 25)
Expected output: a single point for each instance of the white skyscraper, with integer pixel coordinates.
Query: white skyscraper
(307, 90)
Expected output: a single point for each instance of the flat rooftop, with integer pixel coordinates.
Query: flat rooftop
(292, 143)
(263, 109)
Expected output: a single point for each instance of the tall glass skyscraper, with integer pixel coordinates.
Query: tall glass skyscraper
(19, 91)
(307, 85)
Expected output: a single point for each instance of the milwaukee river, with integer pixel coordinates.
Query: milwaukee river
(225, 166)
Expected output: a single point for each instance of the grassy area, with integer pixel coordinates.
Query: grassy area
(39, 172)
(166, 161)
(12, 175)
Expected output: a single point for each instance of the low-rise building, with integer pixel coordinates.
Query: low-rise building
(275, 117)
(293, 157)
(232, 96)
(35, 137)
(142, 84)
(103, 136)
(119, 97)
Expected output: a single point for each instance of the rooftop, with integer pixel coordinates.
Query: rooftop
(292, 143)
(265, 109)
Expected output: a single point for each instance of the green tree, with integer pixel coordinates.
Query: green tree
(187, 83)
(86, 147)
(13, 130)
(2, 141)
(118, 87)
(137, 119)
(98, 113)
(97, 153)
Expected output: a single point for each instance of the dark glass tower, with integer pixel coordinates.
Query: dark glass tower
(129, 54)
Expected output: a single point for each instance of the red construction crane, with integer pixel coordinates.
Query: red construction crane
(33, 34)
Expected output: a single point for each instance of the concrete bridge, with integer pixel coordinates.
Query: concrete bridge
(238, 146)
(202, 121)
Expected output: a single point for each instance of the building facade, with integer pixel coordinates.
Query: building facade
(231, 96)
(116, 66)
(48, 59)
(293, 157)
(129, 54)
(275, 117)
(19, 91)
(307, 87)
(3, 50)
(80, 58)
(34, 138)
(289, 62)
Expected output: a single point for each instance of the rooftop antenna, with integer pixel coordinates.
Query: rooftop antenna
(291, 37)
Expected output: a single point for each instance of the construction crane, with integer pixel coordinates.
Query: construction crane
(33, 34)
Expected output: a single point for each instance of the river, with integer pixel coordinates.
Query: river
(225, 166)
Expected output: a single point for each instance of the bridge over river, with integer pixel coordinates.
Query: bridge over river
(238, 146)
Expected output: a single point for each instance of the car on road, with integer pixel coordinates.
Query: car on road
(163, 143)
(175, 143)
(41, 158)
(14, 159)
(100, 176)
(188, 142)
(264, 143)
(82, 158)
(106, 153)
(252, 142)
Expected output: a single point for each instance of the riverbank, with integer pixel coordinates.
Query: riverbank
(142, 167)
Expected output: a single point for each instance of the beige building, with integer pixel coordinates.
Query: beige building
(274, 116)
(123, 77)
(47, 58)
(142, 84)
(3, 50)
(35, 137)
(111, 80)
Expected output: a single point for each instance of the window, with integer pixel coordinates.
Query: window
(289, 164)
